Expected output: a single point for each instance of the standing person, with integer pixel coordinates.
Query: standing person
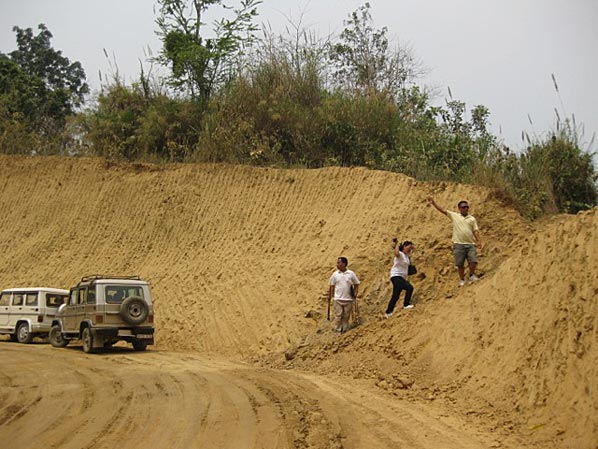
(343, 288)
(466, 235)
(398, 276)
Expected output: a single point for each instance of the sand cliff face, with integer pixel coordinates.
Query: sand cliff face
(239, 258)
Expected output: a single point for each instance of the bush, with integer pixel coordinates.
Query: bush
(568, 172)
(132, 123)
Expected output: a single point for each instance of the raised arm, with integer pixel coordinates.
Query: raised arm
(438, 208)
(397, 245)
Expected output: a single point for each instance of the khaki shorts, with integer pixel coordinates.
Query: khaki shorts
(462, 252)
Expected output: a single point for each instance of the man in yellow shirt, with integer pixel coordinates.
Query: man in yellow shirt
(466, 236)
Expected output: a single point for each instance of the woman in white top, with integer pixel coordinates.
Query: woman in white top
(398, 276)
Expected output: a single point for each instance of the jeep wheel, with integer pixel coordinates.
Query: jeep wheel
(23, 334)
(139, 345)
(87, 340)
(134, 310)
(55, 337)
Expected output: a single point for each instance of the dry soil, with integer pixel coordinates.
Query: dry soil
(239, 258)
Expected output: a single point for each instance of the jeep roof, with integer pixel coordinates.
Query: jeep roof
(99, 279)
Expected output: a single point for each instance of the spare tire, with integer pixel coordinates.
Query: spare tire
(134, 310)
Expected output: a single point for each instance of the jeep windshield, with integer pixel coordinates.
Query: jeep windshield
(116, 294)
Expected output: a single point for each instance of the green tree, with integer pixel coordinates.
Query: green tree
(39, 84)
(364, 62)
(199, 65)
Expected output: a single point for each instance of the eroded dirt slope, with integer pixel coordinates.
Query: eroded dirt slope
(239, 257)
(236, 255)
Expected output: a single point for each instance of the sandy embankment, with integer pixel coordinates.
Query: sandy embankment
(238, 256)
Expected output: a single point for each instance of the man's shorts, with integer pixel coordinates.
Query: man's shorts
(462, 252)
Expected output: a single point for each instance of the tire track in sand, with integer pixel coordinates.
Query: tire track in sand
(120, 398)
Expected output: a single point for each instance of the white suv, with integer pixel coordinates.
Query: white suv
(102, 310)
(28, 312)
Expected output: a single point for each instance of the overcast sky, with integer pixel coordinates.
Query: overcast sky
(499, 53)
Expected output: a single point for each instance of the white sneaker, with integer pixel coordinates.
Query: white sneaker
(387, 315)
(410, 306)
(461, 282)
(473, 278)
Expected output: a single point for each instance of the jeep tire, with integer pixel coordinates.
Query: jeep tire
(55, 337)
(139, 345)
(87, 340)
(134, 310)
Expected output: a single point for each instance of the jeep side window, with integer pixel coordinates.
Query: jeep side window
(91, 295)
(31, 299)
(4, 299)
(17, 299)
(73, 300)
(82, 296)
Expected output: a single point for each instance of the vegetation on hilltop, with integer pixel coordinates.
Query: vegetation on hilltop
(291, 100)
(39, 90)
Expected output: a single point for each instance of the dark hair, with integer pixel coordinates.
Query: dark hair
(404, 244)
(462, 202)
(344, 260)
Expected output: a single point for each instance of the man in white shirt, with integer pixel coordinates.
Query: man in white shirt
(466, 235)
(343, 288)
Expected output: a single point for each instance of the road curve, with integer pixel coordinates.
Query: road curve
(63, 398)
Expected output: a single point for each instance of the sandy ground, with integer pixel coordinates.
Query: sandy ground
(181, 400)
(238, 259)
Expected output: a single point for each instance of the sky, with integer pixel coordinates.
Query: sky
(498, 53)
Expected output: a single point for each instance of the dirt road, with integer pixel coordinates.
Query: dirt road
(52, 398)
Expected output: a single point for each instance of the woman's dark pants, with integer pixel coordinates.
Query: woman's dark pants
(399, 284)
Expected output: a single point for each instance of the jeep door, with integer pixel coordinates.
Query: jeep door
(4, 309)
(90, 304)
(74, 312)
(113, 298)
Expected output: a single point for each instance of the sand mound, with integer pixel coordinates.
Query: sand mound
(239, 258)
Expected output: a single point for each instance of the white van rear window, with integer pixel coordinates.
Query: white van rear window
(54, 300)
